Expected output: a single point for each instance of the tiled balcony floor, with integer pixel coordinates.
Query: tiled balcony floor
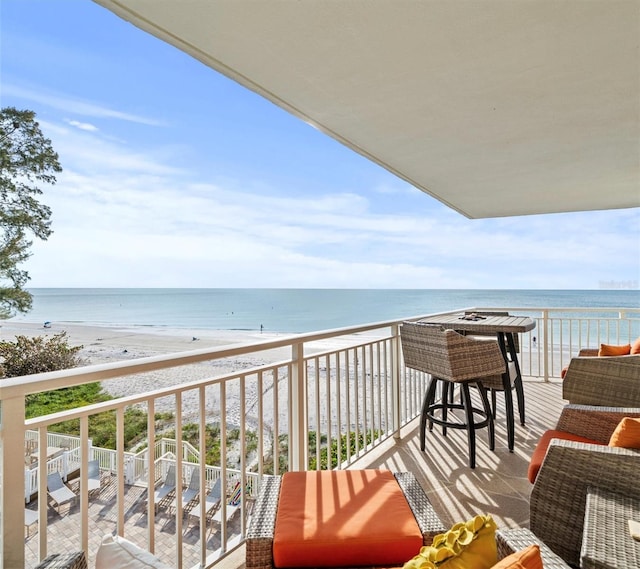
(497, 486)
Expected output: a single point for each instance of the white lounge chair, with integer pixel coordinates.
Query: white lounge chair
(58, 491)
(232, 510)
(93, 470)
(162, 493)
(232, 506)
(30, 518)
(192, 491)
(212, 501)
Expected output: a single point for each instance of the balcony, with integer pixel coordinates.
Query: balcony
(346, 388)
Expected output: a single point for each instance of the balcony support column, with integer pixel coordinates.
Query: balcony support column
(12, 482)
(546, 330)
(299, 439)
(396, 373)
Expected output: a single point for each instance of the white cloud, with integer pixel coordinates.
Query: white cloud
(91, 153)
(83, 125)
(73, 105)
(126, 216)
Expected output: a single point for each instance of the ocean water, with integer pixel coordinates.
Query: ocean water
(290, 310)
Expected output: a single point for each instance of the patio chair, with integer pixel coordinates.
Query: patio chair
(607, 350)
(607, 381)
(191, 492)
(212, 501)
(30, 518)
(59, 493)
(558, 497)
(514, 378)
(93, 471)
(168, 486)
(232, 506)
(453, 359)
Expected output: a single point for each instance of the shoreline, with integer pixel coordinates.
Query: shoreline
(111, 344)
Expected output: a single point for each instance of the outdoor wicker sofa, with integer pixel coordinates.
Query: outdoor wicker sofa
(509, 541)
(608, 381)
(569, 469)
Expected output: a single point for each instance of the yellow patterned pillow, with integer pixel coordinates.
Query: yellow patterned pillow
(467, 545)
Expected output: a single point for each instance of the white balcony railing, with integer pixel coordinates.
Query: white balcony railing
(317, 408)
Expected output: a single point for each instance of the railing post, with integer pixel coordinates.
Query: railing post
(395, 379)
(297, 399)
(12, 481)
(27, 486)
(545, 355)
(65, 464)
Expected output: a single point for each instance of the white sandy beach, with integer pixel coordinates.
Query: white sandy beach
(107, 344)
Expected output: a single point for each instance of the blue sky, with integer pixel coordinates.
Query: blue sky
(174, 176)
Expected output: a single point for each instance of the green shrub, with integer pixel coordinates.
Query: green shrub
(27, 355)
(38, 354)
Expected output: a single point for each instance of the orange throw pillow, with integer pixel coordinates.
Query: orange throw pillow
(635, 347)
(607, 350)
(627, 434)
(527, 558)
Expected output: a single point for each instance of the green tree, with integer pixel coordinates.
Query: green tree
(27, 160)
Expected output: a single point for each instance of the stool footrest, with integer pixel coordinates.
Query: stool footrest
(453, 424)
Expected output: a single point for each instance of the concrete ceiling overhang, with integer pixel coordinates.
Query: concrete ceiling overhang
(495, 108)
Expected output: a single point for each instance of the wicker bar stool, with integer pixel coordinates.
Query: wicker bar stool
(451, 359)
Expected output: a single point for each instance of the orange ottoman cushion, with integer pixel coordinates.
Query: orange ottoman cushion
(543, 444)
(343, 518)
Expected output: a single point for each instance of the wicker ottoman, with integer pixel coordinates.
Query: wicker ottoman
(260, 534)
(511, 540)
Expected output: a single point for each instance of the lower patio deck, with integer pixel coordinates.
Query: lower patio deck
(498, 486)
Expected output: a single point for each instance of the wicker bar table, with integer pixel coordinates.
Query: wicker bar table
(260, 534)
(505, 327)
(606, 541)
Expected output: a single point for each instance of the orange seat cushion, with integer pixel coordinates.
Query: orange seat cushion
(543, 444)
(343, 518)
